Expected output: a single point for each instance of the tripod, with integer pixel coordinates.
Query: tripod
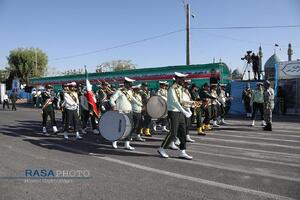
(247, 66)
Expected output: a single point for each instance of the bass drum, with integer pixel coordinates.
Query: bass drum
(157, 107)
(114, 125)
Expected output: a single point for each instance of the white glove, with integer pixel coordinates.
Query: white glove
(187, 114)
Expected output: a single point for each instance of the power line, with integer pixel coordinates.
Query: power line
(242, 40)
(247, 27)
(170, 33)
(118, 46)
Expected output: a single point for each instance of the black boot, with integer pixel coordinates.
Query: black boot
(268, 127)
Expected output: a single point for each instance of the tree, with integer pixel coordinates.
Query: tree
(236, 74)
(116, 65)
(27, 62)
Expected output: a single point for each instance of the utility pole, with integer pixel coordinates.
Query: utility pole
(188, 19)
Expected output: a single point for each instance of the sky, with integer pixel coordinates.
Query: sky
(82, 32)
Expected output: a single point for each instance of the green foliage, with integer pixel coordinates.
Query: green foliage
(236, 74)
(22, 63)
(116, 65)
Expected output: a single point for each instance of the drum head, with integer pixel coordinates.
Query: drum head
(113, 125)
(157, 107)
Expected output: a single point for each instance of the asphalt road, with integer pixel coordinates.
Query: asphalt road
(235, 161)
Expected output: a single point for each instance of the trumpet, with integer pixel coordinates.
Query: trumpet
(197, 104)
(193, 104)
(109, 90)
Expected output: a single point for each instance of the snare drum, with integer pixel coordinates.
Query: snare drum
(114, 125)
(157, 107)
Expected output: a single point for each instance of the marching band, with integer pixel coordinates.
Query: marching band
(134, 112)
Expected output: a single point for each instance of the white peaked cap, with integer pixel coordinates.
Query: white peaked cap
(163, 82)
(72, 83)
(136, 86)
(128, 80)
(180, 75)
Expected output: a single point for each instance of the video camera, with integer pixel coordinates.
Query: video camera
(247, 57)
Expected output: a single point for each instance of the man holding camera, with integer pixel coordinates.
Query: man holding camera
(255, 66)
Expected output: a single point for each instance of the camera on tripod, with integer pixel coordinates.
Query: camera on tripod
(247, 57)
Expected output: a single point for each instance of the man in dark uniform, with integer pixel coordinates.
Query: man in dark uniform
(197, 111)
(61, 102)
(146, 124)
(268, 105)
(13, 99)
(48, 109)
(206, 97)
(214, 77)
(102, 96)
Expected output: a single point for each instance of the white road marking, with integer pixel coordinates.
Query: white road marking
(171, 174)
(217, 166)
(240, 148)
(197, 180)
(259, 133)
(253, 143)
(253, 137)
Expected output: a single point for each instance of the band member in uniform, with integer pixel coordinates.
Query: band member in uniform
(61, 101)
(187, 104)
(137, 112)
(258, 103)
(268, 105)
(215, 104)
(48, 108)
(87, 114)
(146, 124)
(121, 101)
(223, 97)
(196, 111)
(103, 95)
(176, 115)
(72, 110)
(207, 98)
(162, 92)
(246, 99)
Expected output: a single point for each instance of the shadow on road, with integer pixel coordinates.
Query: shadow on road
(32, 133)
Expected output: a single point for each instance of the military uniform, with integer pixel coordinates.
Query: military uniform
(214, 106)
(13, 99)
(163, 93)
(268, 106)
(122, 101)
(187, 104)
(137, 113)
(197, 112)
(146, 124)
(87, 114)
(48, 109)
(223, 96)
(176, 115)
(72, 109)
(206, 97)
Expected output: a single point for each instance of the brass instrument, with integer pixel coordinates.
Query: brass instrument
(109, 91)
(197, 104)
